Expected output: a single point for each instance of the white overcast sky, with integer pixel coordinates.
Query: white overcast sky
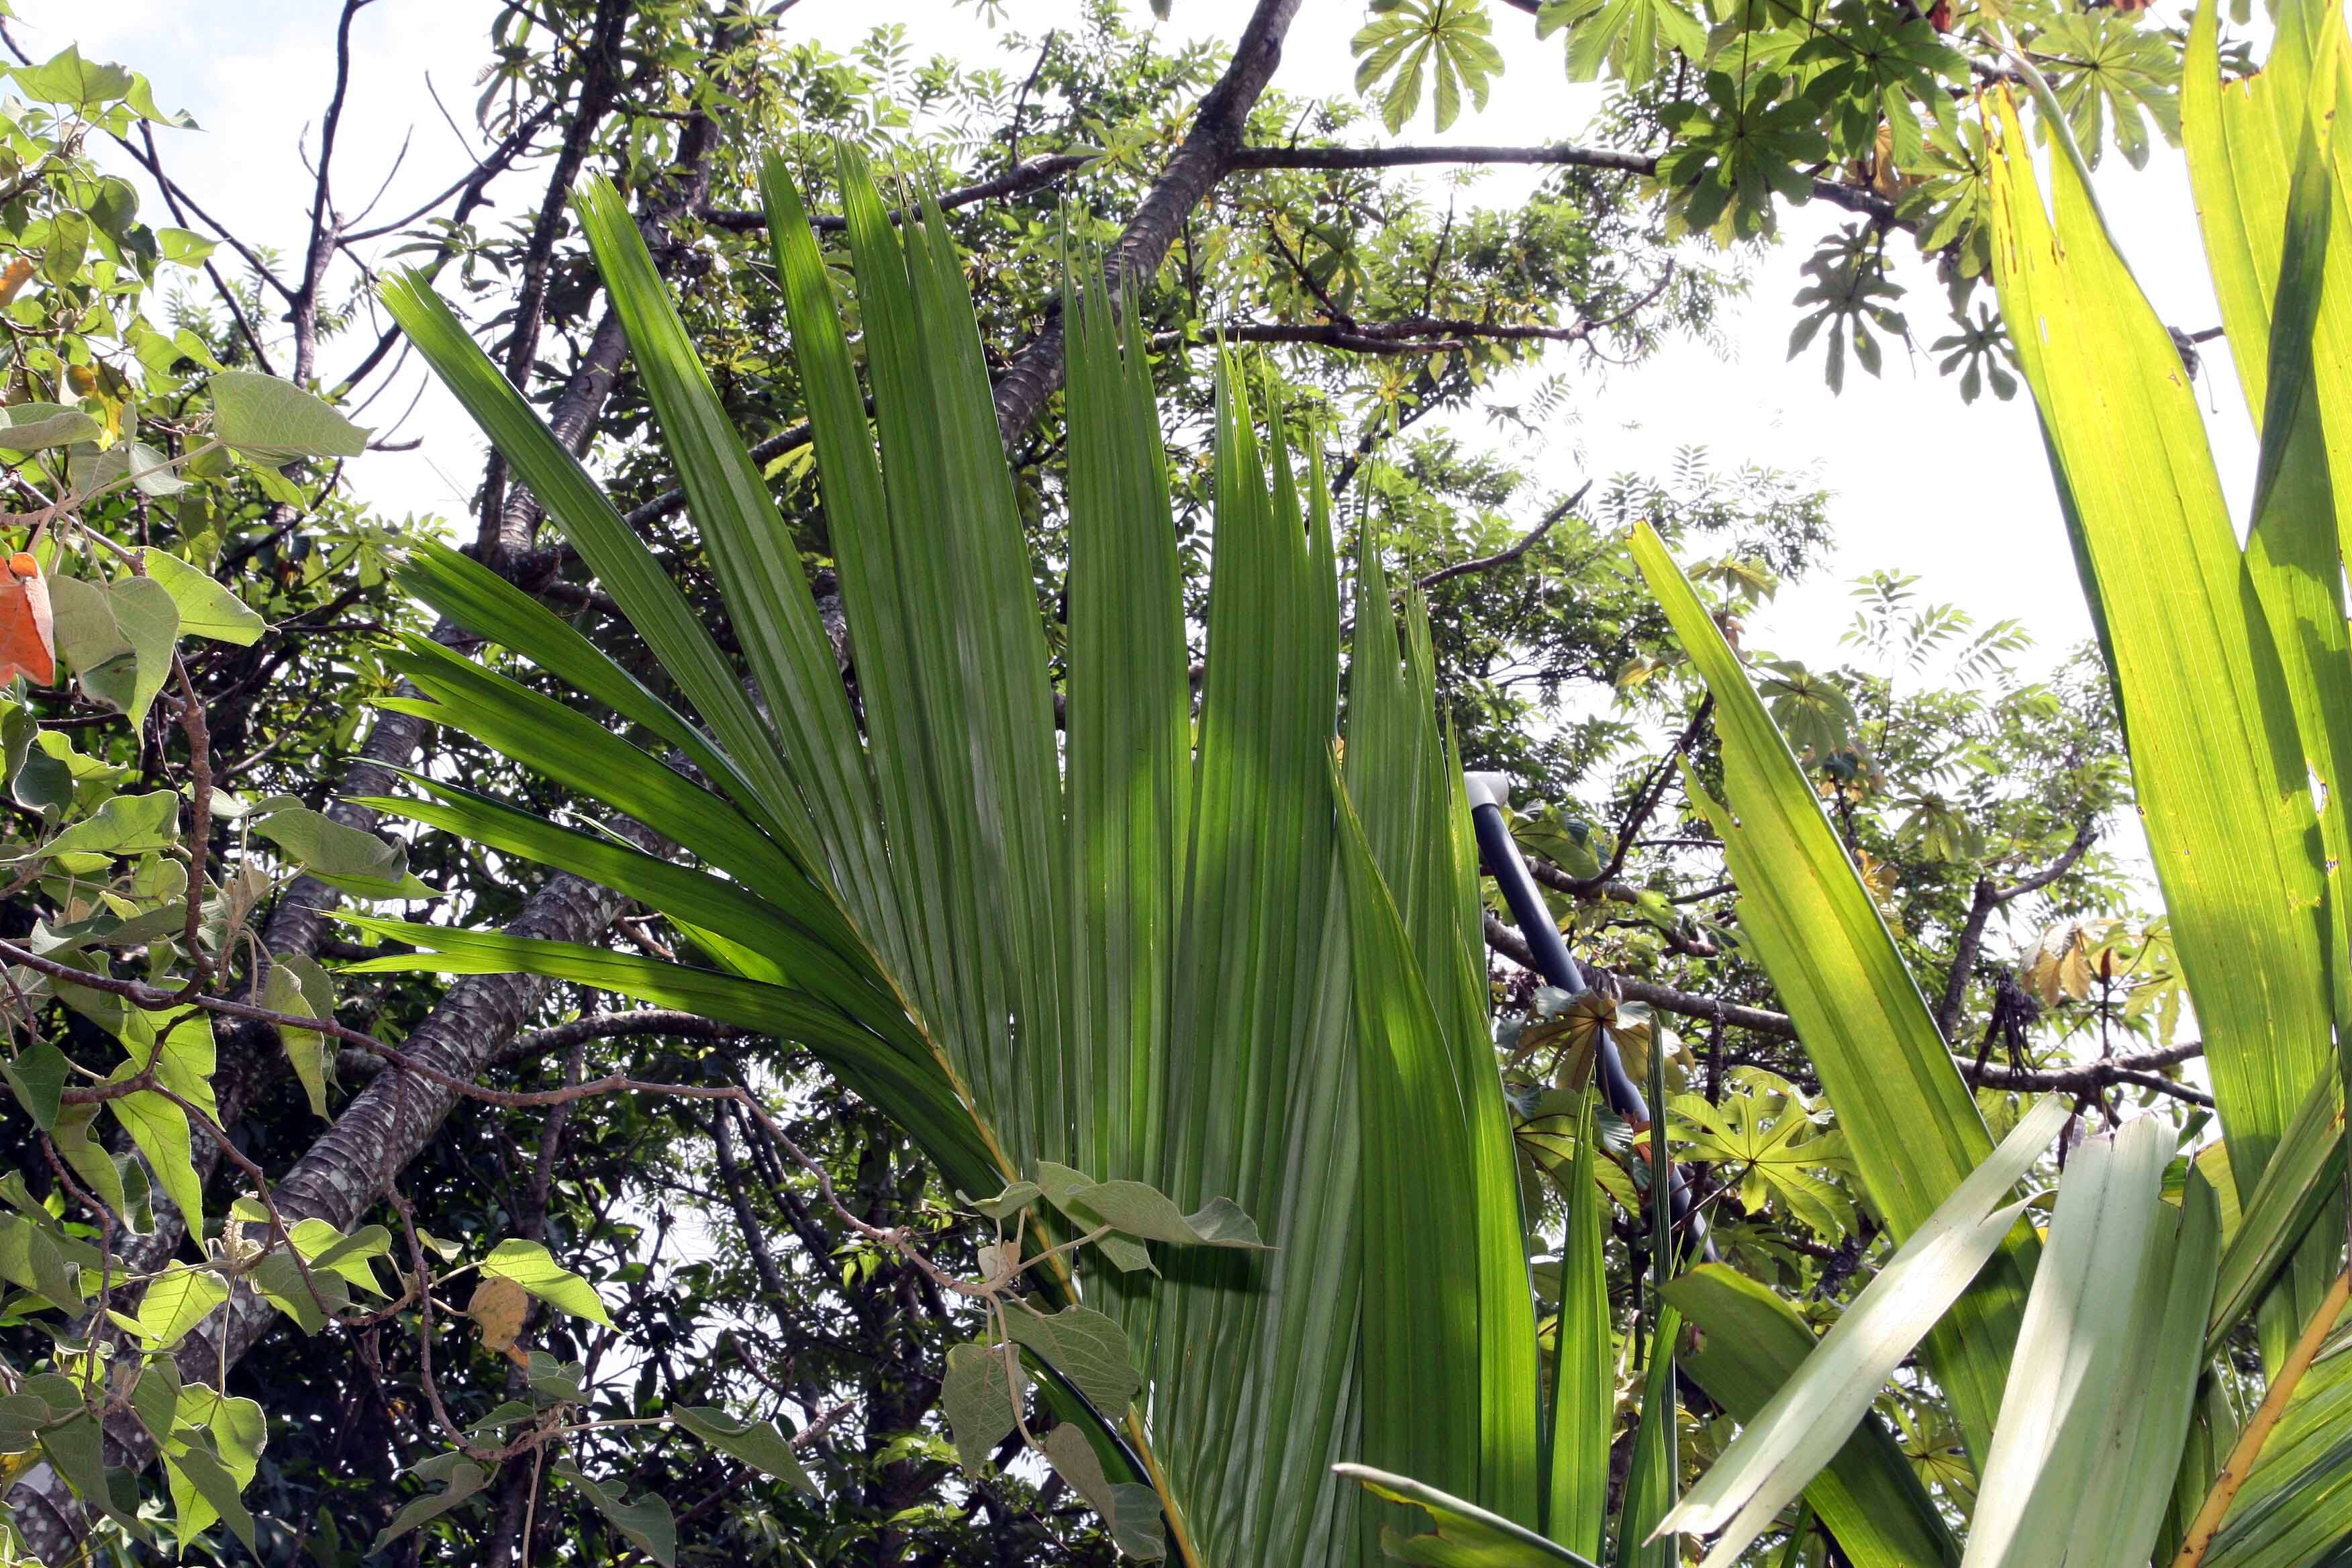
(1957, 494)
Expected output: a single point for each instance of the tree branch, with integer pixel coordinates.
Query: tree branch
(1020, 180)
(1528, 541)
(1558, 155)
(1411, 335)
(599, 84)
(1204, 157)
(325, 230)
(1853, 198)
(2138, 1070)
(1983, 903)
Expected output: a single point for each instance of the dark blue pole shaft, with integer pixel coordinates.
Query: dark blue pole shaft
(1559, 966)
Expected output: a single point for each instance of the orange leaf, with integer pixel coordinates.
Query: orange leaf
(28, 644)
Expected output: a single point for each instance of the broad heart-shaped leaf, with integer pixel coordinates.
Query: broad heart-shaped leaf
(126, 825)
(1084, 1346)
(175, 1302)
(118, 636)
(88, 1158)
(305, 1048)
(37, 1077)
(308, 1300)
(35, 426)
(30, 1258)
(981, 1398)
(1132, 1511)
(221, 1440)
(527, 1263)
(264, 418)
(77, 1448)
(759, 1443)
(151, 473)
(1140, 1210)
(155, 1397)
(206, 609)
(159, 1128)
(205, 1488)
(66, 77)
(1808, 1421)
(1016, 1197)
(341, 857)
(1467, 1536)
(460, 1478)
(647, 1523)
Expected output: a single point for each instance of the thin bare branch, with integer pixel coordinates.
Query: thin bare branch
(1504, 557)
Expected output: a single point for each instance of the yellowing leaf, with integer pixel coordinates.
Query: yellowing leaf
(497, 1309)
(527, 1264)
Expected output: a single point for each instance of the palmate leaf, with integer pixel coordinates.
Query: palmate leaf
(1769, 1149)
(2111, 76)
(1629, 37)
(1141, 967)
(1448, 39)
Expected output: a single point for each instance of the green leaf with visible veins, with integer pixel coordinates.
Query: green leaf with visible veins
(1767, 1144)
(980, 1397)
(1083, 1345)
(759, 1443)
(264, 418)
(527, 1264)
(646, 1522)
(1132, 1511)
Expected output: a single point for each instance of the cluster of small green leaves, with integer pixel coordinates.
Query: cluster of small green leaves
(141, 899)
(1763, 104)
(985, 1394)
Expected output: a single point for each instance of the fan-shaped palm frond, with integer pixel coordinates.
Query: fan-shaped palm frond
(1194, 959)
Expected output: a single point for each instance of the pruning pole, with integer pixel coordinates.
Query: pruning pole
(1489, 793)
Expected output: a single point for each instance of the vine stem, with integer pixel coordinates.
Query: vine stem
(2249, 1449)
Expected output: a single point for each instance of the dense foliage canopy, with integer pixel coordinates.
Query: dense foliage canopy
(622, 1262)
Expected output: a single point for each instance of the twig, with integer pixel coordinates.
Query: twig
(1528, 541)
(1983, 903)
(2249, 1446)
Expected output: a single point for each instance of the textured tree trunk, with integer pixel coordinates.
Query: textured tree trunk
(1205, 156)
